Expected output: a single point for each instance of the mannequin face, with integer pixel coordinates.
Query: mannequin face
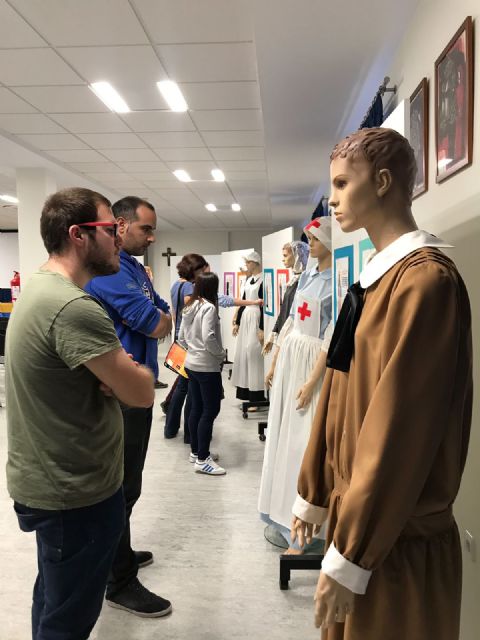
(288, 258)
(356, 194)
(317, 249)
(251, 267)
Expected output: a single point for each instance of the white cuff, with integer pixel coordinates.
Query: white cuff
(345, 572)
(309, 512)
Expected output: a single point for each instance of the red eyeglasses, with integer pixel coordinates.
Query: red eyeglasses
(113, 225)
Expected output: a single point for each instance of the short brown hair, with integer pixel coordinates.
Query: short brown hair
(127, 207)
(189, 264)
(65, 208)
(383, 149)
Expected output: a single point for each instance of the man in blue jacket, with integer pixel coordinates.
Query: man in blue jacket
(140, 317)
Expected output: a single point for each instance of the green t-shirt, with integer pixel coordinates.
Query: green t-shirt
(65, 437)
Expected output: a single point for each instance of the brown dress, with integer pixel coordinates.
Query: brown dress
(388, 447)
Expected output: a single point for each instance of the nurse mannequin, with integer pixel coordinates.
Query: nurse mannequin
(296, 387)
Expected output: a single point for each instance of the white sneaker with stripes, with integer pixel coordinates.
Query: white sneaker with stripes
(193, 457)
(210, 467)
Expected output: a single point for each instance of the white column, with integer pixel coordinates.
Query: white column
(34, 185)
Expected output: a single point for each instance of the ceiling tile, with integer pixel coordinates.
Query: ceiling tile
(130, 155)
(183, 154)
(238, 153)
(228, 120)
(96, 167)
(15, 32)
(216, 192)
(88, 22)
(242, 165)
(247, 177)
(10, 103)
(234, 138)
(113, 140)
(187, 21)
(76, 99)
(209, 62)
(250, 189)
(143, 167)
(91, 122)
(173, 139)
(133, 71)
(76, 155)
(54, 141)
(221, 95)
(29, 123)
(201, 167)
(160, 184)
(20, 67)
(158, 121)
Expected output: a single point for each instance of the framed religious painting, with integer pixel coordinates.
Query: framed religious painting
(419, 135)
(229, 283)
(342, 276)
(283, 276)
(268, 293)
(454, 103)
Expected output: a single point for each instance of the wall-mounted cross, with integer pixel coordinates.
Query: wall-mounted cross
(168, 255)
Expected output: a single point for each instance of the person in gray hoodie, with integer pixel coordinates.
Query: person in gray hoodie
(200, 334)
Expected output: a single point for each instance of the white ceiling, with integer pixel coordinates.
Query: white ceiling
(271, 84)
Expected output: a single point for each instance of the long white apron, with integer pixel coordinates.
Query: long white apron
(288, 429)
(248, 361)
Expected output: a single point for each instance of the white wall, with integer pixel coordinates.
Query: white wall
(9, 258)
(451, 210)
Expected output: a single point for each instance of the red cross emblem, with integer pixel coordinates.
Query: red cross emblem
(304, 311)
(315, 223)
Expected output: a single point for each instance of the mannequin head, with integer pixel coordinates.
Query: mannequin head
(372, 175)
(287, 256)
(252, 264)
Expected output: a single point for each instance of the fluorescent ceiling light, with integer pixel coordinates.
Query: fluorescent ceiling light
(236, 207)
(9, 199)
(109, 96)
(210, 207)
(182, 175)
(218, 175)
(172, 95)
(444, 162)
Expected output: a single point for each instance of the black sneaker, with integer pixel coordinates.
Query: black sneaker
(137, 599)
(164, 406)
(144, 558)
(160, 385)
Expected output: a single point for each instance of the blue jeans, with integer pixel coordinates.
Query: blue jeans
(75, 549)
(205, 392)
(174, 411)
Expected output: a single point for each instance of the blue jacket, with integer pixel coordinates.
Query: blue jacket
(134, 306)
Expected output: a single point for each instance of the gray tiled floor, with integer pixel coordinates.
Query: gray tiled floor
(211, 559)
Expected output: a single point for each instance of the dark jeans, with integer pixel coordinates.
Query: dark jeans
(137, 424)
(75, 549)
(205, 391)
(174, 411)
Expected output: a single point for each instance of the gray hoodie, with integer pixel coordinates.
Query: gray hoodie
(200, 334)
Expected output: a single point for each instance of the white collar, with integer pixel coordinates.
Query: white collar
(384, 260)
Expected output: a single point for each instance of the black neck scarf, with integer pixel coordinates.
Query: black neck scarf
(341, 347)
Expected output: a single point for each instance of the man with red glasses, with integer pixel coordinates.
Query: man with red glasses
(140, 317)
(66, 371)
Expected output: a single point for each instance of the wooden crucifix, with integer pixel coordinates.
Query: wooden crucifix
(168, 255)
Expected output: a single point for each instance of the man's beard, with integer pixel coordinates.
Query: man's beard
(97, 264)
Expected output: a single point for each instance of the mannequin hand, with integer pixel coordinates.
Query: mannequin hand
(260, 336)
(269, 378)
(304, 395)
(235, 330)
(333, 602)
(302, 530)
(259, 302)
(267, 347)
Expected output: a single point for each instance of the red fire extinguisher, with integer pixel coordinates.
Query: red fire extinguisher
(15, 286)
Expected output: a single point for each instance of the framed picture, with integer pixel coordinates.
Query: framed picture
(365, 250)
(229, 283)
(342, 276)
(454, 103)
(283, 276)
(241, 279)
(268, 293)
(419, 135)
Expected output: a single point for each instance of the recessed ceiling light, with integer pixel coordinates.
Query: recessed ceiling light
(236, 207)
(110, 96)
(218, 175)
(9, 199)
(182, 175)
(210, 207)
(172, 95)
